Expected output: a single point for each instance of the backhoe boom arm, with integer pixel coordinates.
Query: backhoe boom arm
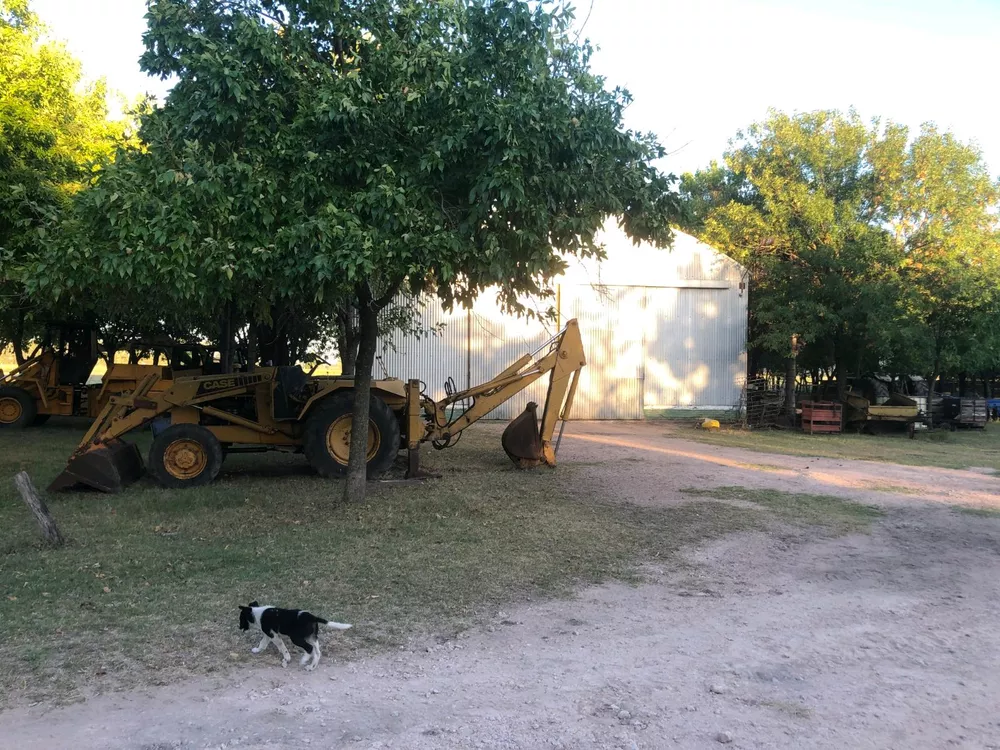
(562, 361)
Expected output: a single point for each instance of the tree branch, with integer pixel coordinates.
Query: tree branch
(389, 296)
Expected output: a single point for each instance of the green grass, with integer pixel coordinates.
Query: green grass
(979, 511)
(147, 588)
(762, 467)
(834, 514)
(956, 450)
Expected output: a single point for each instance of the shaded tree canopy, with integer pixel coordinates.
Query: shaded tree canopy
(309, 146)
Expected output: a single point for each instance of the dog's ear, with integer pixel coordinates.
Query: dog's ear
(242, 608)
(254, 604)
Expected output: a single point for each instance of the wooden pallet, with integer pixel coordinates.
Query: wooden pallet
(822, 417)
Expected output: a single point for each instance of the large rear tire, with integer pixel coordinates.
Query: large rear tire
(17, 408)
(185, 455)
(328, 436)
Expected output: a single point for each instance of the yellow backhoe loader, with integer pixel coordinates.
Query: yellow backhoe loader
(197, 420)
(57, 379)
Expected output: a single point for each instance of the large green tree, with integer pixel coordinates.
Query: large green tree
(940, 203)
(54, 133)
(878, 248)
(331, 154)
(794, 203)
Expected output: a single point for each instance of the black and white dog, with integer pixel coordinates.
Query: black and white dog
(301, 627)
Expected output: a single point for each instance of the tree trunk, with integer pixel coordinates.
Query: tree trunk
(265, 337)
(278, 341)
(109, 352)
(347, 340)
(226, 339)
(930, 400)
(840, 377)
(842, 389)
(18, 341)
(790, 390)
(932, 380)
(37, 506)
(356, 487)
(347, 347)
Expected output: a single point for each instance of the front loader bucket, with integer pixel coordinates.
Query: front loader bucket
(110, 468)
(521, 441)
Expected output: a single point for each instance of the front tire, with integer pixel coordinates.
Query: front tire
(17, 408)
(328, 436)
(185, 455)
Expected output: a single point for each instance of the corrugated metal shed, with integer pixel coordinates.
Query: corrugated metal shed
(662, 329)
(695, 348)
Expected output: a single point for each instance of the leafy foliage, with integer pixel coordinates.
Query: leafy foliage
(54, 134)
(879, 252)
(939, 202)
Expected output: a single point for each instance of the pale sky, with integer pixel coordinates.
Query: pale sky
(699, 70)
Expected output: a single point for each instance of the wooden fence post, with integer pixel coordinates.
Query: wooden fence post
(34, 501)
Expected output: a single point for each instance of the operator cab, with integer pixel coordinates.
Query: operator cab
(291, 391)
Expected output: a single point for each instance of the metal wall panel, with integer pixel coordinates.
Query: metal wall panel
(473, 347)
(499, 340)
(431, 358)
(687, 263)
(611, 327)
(695, 348)
(676, 343)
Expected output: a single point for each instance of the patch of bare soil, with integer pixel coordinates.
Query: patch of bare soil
(638, 463)
(885, 640)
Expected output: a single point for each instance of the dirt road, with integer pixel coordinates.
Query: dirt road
(887, 640)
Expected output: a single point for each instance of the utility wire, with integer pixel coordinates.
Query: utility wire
(585, 20)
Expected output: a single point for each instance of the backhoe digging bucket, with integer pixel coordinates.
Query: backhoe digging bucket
(109, 468)
(521, 441)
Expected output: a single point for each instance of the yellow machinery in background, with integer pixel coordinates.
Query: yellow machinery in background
(56, 381)
(197, 420)
(898, 411)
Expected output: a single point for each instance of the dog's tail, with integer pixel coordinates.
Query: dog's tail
(332, 625)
